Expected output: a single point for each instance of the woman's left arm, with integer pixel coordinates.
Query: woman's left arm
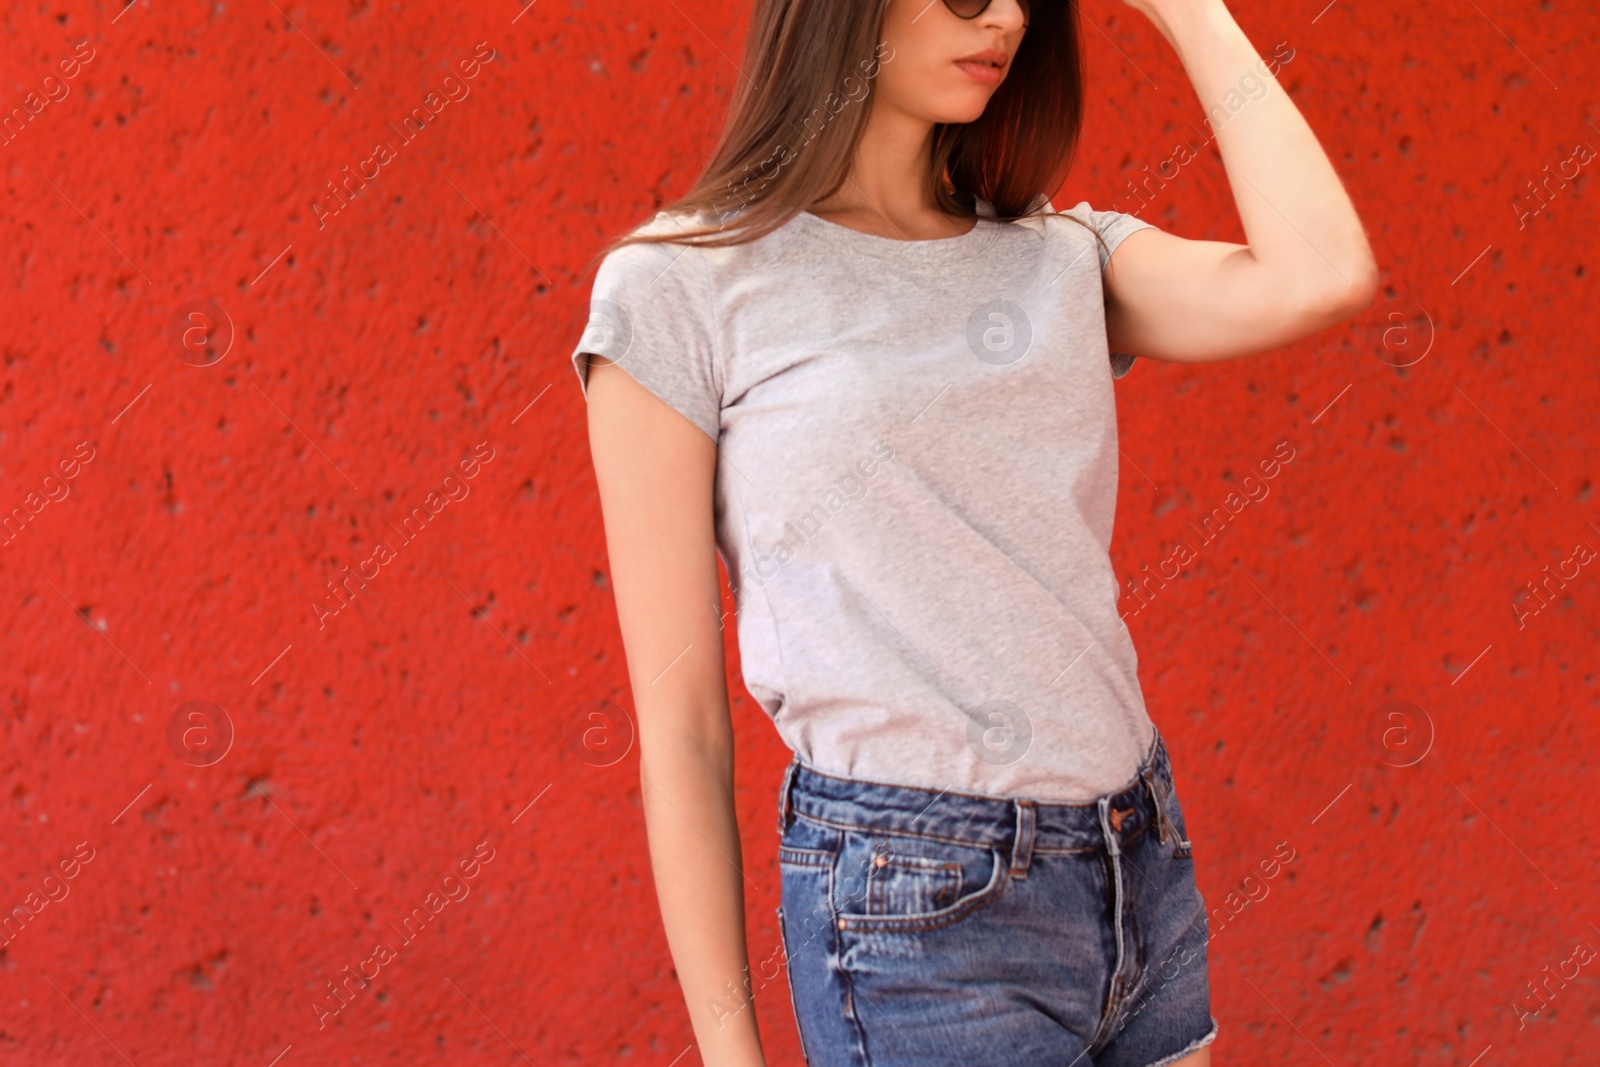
(1307, 264)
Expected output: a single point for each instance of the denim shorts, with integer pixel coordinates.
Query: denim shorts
(924, 929)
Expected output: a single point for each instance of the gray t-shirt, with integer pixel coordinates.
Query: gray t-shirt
(915, 487)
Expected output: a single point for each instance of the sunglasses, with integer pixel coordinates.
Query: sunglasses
(971, 9)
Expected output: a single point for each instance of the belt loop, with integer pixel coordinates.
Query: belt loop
(1155, 798)
(1022, 846)
(784, 806)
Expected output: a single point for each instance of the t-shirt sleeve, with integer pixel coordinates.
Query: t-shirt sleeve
(650, 312)
(1114, 227)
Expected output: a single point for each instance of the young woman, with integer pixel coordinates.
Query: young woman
(866, 360)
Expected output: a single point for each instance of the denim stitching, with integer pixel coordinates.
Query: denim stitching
(836, 963)
(1022, 841)
(785, 809)
(948, 876)
(834, 824)
(1113, 866)
(998, 842)
(804, 857)
(1155, 798)
(1037, 851)
(895, 924)
(1185, 847)
(794, 1005)
(986, 797)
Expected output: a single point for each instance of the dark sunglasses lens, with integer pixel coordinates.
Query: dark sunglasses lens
(966, 9)
(971, 9)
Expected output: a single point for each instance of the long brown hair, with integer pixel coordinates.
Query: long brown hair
(789, 139)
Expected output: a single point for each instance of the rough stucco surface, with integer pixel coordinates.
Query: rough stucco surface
(442, 720)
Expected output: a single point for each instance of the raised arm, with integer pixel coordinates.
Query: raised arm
(655, 473)
(1307, 264)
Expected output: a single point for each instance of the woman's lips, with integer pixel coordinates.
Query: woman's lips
(981, 72)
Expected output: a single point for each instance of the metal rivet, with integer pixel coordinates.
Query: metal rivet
(880, 859)
(841, 924)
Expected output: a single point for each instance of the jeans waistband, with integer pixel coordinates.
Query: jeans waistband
(981, 820)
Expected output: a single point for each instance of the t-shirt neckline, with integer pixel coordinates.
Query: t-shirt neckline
(934, 250)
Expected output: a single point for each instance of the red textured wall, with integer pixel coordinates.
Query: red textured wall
(236, 794)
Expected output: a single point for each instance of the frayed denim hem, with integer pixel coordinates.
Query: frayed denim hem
(1193, 1046)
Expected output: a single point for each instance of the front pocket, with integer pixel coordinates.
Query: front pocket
(886, 882)
(900, 884)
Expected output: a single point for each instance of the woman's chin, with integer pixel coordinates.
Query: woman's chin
(960, 107)
(957, 112)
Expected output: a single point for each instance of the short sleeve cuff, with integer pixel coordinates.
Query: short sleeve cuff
(650, 314)
(1114, 227)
